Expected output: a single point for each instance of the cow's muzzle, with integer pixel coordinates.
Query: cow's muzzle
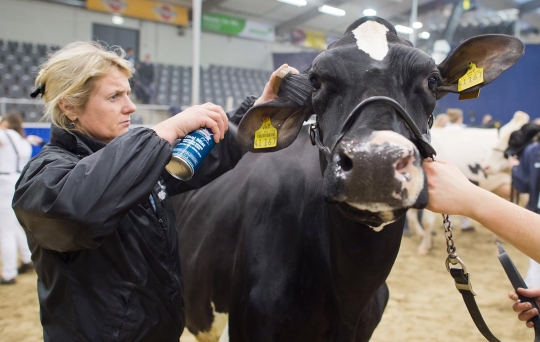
(381, 176)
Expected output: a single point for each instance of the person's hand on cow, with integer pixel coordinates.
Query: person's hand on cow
(446, 188)
(525, 310)
(268, 94)
(206, 115)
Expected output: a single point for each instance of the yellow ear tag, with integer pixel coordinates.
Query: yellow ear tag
(473, 77)
(266, 136)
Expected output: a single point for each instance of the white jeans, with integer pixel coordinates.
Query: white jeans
(532, 279)
(12, 237)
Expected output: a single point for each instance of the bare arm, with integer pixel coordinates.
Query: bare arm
(450, 192)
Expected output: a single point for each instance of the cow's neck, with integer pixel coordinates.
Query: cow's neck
(361, 260)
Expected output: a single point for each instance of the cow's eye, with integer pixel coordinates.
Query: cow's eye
(433, 82)
(315, 82)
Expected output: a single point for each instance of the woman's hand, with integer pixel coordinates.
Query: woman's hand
(268, 94)
(448, 188)
(525, 310)
(206, 115)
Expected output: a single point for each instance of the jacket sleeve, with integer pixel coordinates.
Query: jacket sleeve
(521, 172)
(223, 157)
(69, 204)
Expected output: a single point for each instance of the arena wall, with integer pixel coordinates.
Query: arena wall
(57, 24)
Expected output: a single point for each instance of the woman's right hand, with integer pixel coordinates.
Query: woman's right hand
(524, 309)
(447, 187)
(206, 115)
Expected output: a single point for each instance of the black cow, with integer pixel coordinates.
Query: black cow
(296, 245)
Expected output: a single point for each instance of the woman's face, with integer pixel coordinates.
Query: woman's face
(107, 111)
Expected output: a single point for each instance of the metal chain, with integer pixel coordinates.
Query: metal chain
(450, 247)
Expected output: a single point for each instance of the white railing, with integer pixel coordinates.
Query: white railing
(150, 114)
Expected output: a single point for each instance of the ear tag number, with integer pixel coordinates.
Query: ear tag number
(266, 136)
(474, 76)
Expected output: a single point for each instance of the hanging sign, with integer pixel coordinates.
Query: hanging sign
(237, 27)
(142, 9)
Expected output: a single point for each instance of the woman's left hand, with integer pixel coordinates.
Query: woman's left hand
(268, 94)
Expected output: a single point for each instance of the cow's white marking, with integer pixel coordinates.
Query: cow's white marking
(219, 328)
(379, 228)
(371, 38)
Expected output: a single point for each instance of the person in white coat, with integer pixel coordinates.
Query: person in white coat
(15, 151)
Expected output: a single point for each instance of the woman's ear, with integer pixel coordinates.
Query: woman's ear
(68, 109)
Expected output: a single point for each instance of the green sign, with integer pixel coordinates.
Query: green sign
(237, 27)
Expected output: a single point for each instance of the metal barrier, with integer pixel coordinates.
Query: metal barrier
(146, 114)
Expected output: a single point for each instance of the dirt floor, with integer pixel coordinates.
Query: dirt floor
(424, 303)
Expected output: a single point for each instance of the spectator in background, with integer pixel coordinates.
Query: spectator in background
(488, 122)
(145, 88)
(130, 56)
(15, 151)
(440, 120)
(455, 119)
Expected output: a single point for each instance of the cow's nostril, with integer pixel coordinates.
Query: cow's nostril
(402, 163)
(345, 162)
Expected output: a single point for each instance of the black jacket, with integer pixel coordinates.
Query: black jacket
(108, 264)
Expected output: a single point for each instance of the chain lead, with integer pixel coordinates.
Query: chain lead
(450, 247)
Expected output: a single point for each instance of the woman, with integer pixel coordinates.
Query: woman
(15, 151)
(95, 202)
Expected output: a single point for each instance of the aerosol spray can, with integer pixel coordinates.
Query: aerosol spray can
(189, 153)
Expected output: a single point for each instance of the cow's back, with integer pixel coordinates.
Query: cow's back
(468, 148)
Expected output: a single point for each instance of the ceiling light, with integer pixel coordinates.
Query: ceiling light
(338, 12)
(295, 2)
(369, 12)
(417, 25)
(404, 29)
(118, 20)
(424, 35)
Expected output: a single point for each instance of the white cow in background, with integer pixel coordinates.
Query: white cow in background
(470, 149)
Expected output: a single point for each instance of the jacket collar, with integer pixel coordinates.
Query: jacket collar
(75, 142)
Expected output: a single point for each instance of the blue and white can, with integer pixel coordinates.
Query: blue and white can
(189, 153)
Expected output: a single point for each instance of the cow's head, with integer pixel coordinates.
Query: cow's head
(371, 157)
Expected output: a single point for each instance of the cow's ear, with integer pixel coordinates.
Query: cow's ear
(493, 52)
(283, 114)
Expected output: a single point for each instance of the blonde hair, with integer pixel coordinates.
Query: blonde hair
(454, 114)
(70, 75)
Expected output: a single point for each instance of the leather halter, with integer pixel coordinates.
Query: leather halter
(422, 139)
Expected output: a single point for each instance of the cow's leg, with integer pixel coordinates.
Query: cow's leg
(205, 324)
(372, 315)
(428, 222)
(414, 223)
(218, 331)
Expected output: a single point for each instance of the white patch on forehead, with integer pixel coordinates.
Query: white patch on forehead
(371, 38)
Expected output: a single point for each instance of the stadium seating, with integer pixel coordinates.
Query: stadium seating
(19, 62)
